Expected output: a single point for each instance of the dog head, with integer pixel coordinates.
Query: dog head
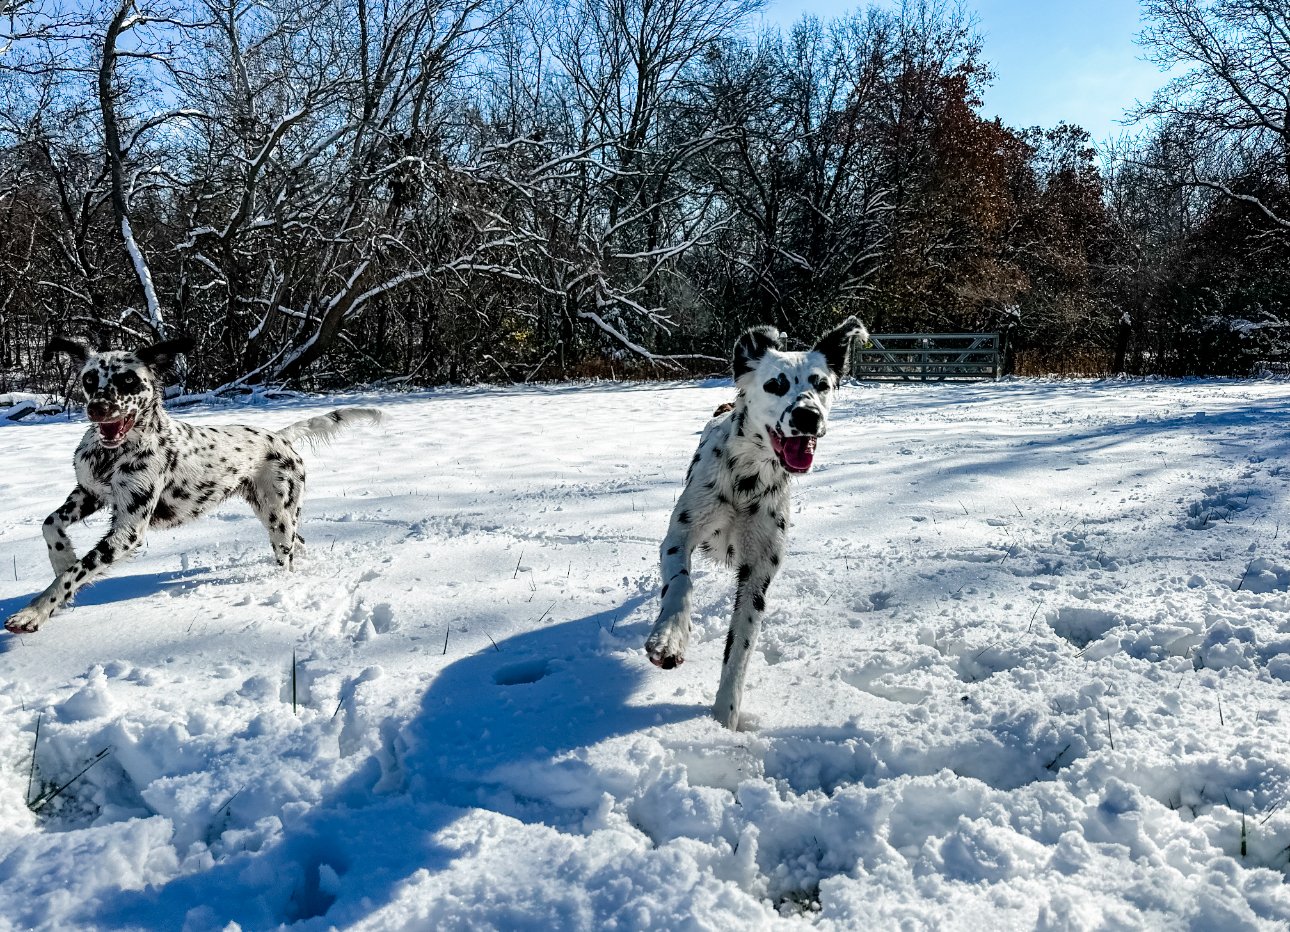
(787, 395)
(121, 387)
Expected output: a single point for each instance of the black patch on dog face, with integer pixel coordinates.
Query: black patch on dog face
(777, 386)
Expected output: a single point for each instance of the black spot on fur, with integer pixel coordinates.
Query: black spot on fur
(759, 603)
(730, 642)
(683, 518)
(59, 546)
(139, 500)
(664, 592)
(748, 483)
(745, 572)
(778, 386)
(780, 522)
(673, 550)
(49, 520)
(163, 511)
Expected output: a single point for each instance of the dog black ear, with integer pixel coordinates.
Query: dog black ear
(836, 344)
(161, 356)
(73, 348)
(752, 346)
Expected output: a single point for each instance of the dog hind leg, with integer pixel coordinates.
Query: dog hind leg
(275, 496)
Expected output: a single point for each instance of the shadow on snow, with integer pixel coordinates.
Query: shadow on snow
(515, 709)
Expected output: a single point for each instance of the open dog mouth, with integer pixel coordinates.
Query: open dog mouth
(795, 453)
(112, 433)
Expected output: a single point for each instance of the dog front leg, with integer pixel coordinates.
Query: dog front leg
(129, 526)
(80, 504)
(671, 635)
(745, 625)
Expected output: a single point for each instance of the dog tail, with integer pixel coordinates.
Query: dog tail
(328, 425)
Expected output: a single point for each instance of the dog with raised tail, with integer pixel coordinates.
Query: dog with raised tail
(153, 471)
(735, 505)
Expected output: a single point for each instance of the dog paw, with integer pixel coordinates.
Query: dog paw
(27, 620)
(666, 645)
(726, 714)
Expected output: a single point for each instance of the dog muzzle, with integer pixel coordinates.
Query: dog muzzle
(796, 454)
(112, 432)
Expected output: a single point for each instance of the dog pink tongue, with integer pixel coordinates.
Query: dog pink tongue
(799, 453)
(112, 431)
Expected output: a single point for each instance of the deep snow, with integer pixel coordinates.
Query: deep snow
(1027, 665)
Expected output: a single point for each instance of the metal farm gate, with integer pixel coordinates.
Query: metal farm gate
(928, 357)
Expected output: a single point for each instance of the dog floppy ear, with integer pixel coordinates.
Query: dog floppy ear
(752, 346)
(161, 356)
(73, 348)
(836, 344)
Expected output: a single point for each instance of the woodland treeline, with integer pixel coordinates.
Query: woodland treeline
(332, 192)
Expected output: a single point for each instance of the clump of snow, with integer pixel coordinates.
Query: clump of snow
(1017, 673)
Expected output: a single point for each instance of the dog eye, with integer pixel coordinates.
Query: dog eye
(90, 382)
(128, 381)
(776, 386)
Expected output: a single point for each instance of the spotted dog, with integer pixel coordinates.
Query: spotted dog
(152, 471)
(735, 504)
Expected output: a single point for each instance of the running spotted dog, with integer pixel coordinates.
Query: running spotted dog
(156, 472)
(735, 504)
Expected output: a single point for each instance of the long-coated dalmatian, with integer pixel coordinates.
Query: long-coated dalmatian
(735, 506)
(152, 471)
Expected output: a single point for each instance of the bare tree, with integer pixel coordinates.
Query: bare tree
(1229, 108)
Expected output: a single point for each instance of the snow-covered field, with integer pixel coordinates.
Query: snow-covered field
(1027, 666)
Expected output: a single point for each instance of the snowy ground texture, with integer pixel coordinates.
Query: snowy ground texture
(1027, 666)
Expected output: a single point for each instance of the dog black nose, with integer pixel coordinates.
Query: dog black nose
(805, 420)
(98, 410)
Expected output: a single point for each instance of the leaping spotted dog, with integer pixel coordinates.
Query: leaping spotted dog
(153, 471)
(735, 505)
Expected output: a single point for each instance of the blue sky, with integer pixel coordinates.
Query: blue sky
(1072, 60)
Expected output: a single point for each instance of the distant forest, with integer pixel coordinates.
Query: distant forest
(335, 192)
